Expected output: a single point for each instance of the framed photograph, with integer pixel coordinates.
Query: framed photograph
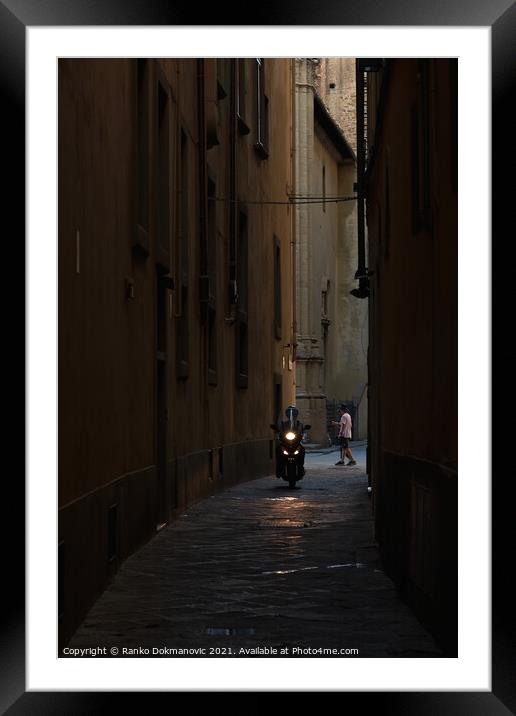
(43, 49)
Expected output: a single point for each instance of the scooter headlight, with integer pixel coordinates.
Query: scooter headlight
(296, 452)
(290, 436)
(285, 452)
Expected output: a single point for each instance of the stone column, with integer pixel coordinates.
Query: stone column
(310, 396)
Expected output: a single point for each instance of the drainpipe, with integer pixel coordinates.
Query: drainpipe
(361, 273)
(203, 263)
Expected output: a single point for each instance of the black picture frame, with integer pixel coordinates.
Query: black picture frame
(15, 17)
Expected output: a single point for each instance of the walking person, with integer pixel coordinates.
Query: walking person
(344, 436)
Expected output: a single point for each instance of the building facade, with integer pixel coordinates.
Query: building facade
(176, 306)
(335, 83)
(410, 144)
(331, 324)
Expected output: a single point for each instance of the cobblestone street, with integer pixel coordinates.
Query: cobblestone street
(261, 565)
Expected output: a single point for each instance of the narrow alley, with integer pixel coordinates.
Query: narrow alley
(260, 567)
(242, 237)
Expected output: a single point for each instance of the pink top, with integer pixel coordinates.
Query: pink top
(345, 426)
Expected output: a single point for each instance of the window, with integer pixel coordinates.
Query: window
(242, 306)
(182, 336)
(183, 207)
(243, 341)
(424, 105)
(210, 91)
(454, 123)
(182, 261)
(420, 140)
(387, 231)
(61, 581)
(212, 236)
(277, 407)
(163, 189)
(212, 346)
(232, 207)
(262, 111)
(202, 189)
(211, 322)
(240, 90)
(324, 304)
(141, 234)
(222, 78)
(414, 143)
(277, 288)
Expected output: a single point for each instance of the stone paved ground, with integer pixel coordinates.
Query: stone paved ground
(261, 565)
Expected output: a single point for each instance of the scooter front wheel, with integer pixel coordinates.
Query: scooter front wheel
(292, 484)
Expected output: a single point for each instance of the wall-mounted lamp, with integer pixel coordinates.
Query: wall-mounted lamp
(363, 289)
(363, 273)
(371, 64)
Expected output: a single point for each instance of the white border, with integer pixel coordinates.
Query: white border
(471, 670)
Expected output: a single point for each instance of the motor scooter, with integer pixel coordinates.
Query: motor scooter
(290, 453)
